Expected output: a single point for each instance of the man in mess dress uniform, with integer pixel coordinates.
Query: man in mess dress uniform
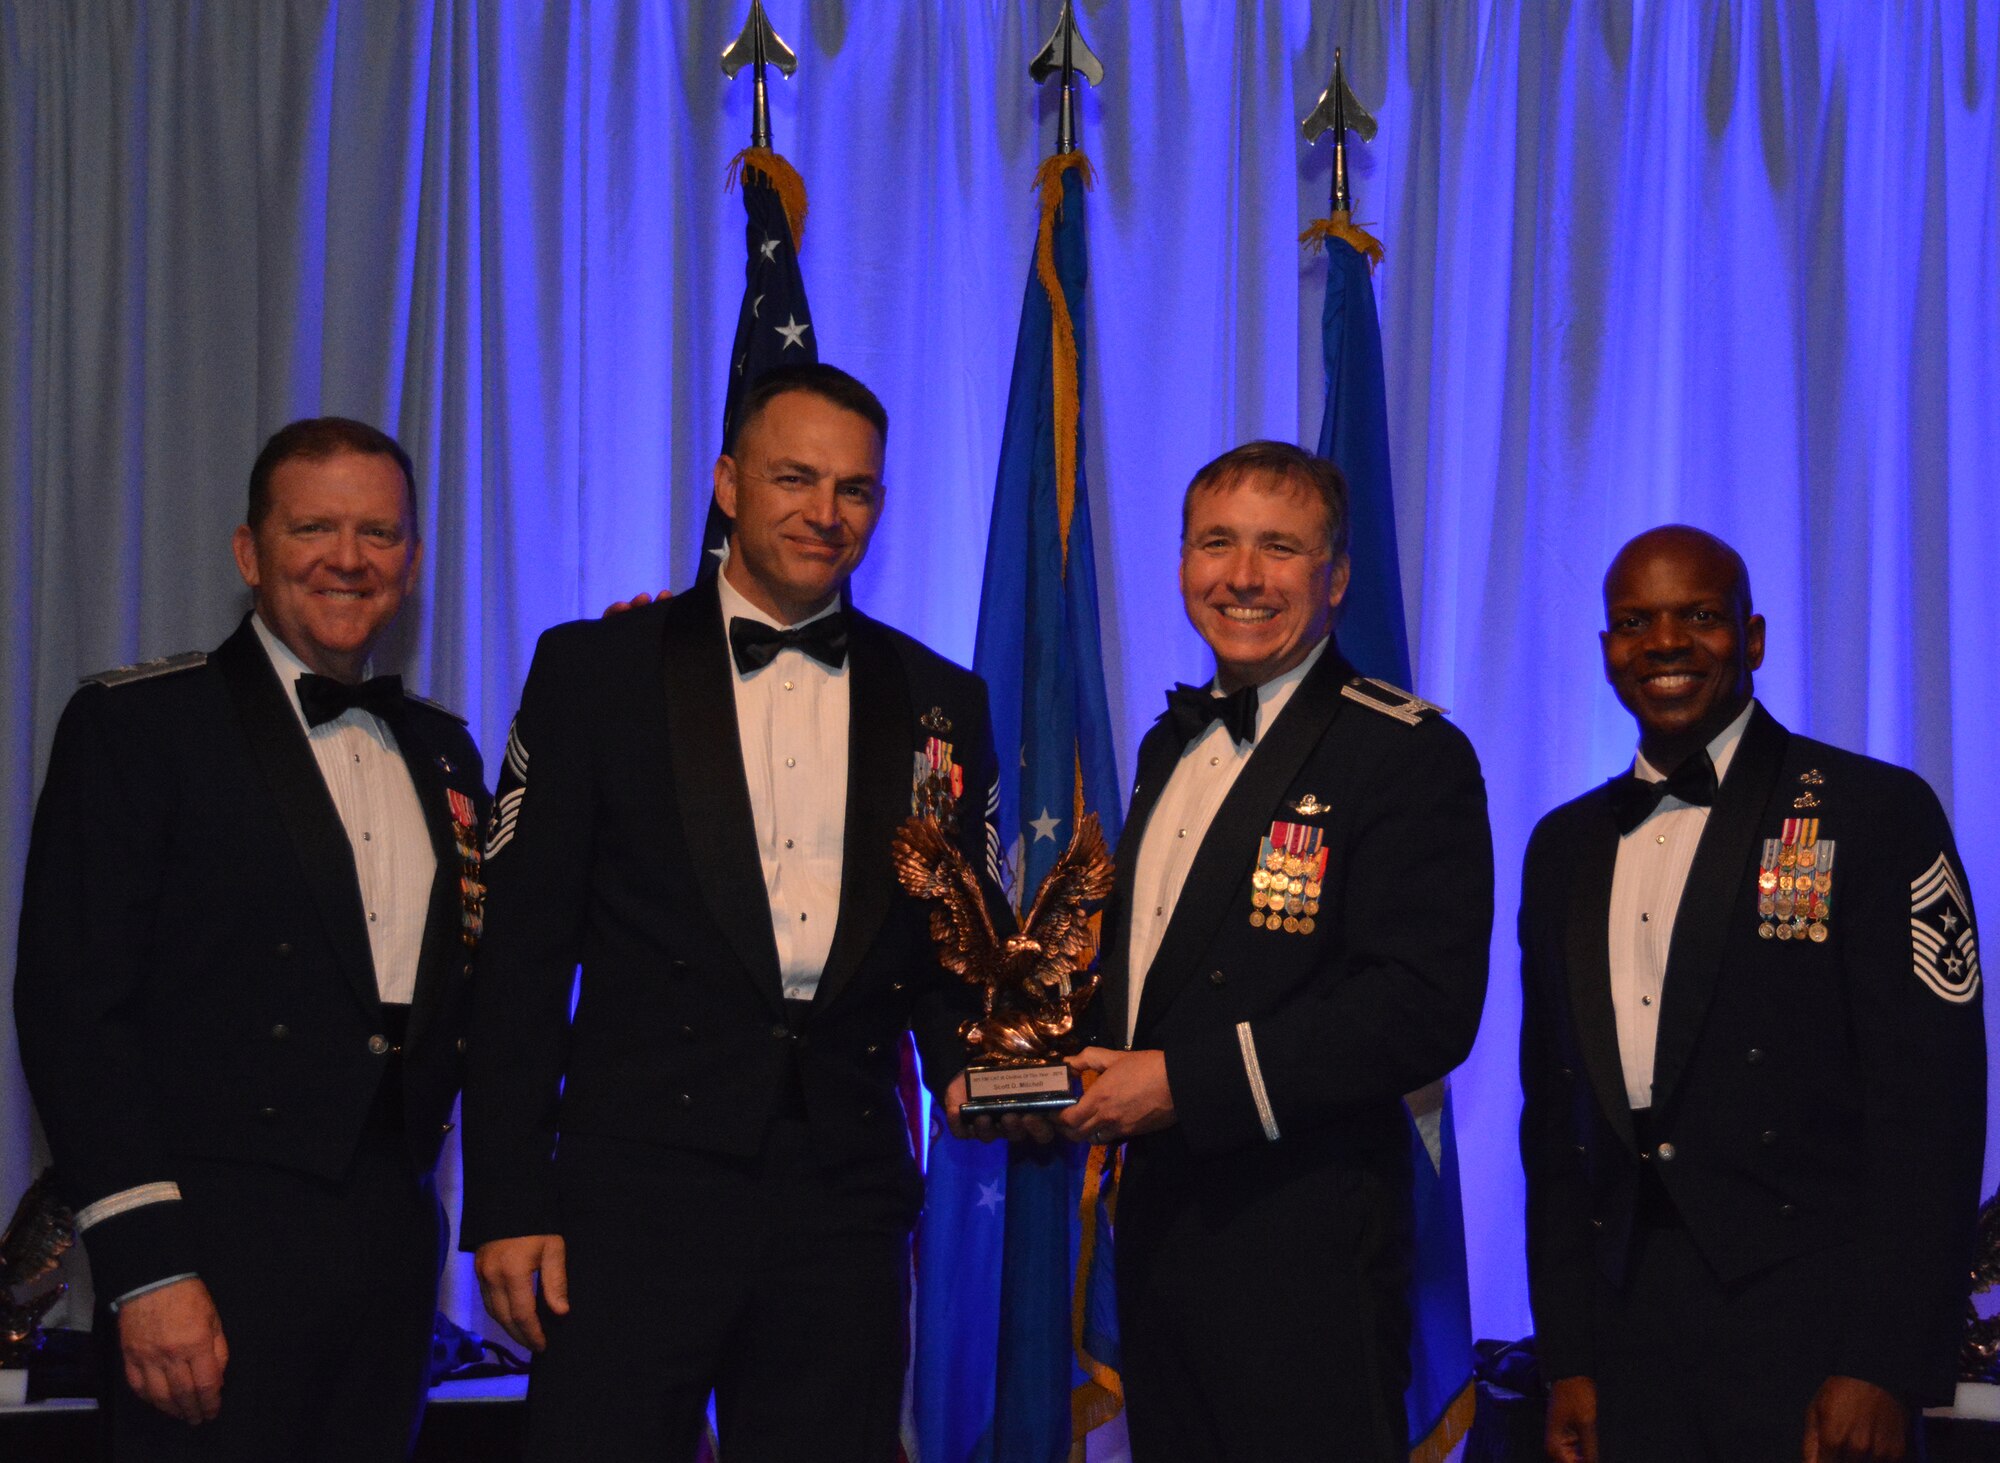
(698, 1178)
(1297, 939)
(1753, 1064)
(246, 933)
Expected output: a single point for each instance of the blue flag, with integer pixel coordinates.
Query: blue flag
(773, 325)
(1355, 434)
(1012, 1364)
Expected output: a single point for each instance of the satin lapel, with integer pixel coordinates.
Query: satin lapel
(1218, 882)
(444, 922)
(1587, 958)
(284, 756)
(1157, 757)
(880, 743)
(706, 754)
(1721, 873)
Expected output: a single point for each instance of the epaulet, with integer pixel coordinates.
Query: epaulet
(437, 706)
(1389, 700)
(146, 670)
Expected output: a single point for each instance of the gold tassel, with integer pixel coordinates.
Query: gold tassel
(1048, 180)
(1342, 227)
(783, 178)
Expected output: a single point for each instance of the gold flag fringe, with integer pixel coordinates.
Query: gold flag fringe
(1102, 1396)
(1342, 227)
(1455, 1424)
(782, 177)
(1048, 181)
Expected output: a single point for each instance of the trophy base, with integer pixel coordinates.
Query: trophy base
(992, 1089)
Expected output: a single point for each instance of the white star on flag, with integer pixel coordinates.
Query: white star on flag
(989, 1195)
(756, 305)
(1045, 826)
(793, 332)
(769, 249)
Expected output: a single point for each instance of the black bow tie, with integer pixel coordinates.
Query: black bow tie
(756, 644)
(1192, 708)
(322, 698)
(1633, 799)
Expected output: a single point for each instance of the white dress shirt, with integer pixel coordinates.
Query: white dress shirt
(1646, 885)
(791, 721)
(1179, 822)
(377, 802)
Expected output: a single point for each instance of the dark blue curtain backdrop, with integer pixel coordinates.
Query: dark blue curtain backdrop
(1731, 263)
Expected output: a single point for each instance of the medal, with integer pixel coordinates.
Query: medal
(1306, 925)
(1260, 880)
(1291, 925)
(1260, 899)
(1817, 929)
(1784, 931)
(1257, 918)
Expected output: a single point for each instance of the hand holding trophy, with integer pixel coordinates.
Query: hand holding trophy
(1031, 994)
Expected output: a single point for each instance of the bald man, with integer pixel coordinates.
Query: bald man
(1752, 1061)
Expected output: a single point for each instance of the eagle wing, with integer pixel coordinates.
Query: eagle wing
(1057, 922)
(931, 866)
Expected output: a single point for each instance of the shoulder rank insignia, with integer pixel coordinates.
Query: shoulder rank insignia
(146, 670)
(1389, 700)
(437, 706)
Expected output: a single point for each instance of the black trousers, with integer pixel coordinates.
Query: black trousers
(1264, 1317)
(780, 1286)
(327, 1294)
(1690, 1370)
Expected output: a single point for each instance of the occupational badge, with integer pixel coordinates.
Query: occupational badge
(1945, 949)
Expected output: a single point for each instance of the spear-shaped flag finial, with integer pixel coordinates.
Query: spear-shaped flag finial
(1066, 54)
(757, 45)
(1339, 113)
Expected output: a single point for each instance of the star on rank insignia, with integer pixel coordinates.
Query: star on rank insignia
(1944, 949)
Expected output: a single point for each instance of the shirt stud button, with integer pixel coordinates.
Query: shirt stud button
(1645, 1000)
(378, 1044)
(791, 761)
(1659, 838)
(788, 843)
(1666, 1153)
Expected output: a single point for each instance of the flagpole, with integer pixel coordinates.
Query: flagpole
(1067, 55)
(773, 323)
(756, 46)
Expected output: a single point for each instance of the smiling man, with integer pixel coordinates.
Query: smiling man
(245, 933)
(1298, 938)
(1753, 1072)
(698, 1178)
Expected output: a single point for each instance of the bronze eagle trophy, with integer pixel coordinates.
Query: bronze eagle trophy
(1033, 984)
